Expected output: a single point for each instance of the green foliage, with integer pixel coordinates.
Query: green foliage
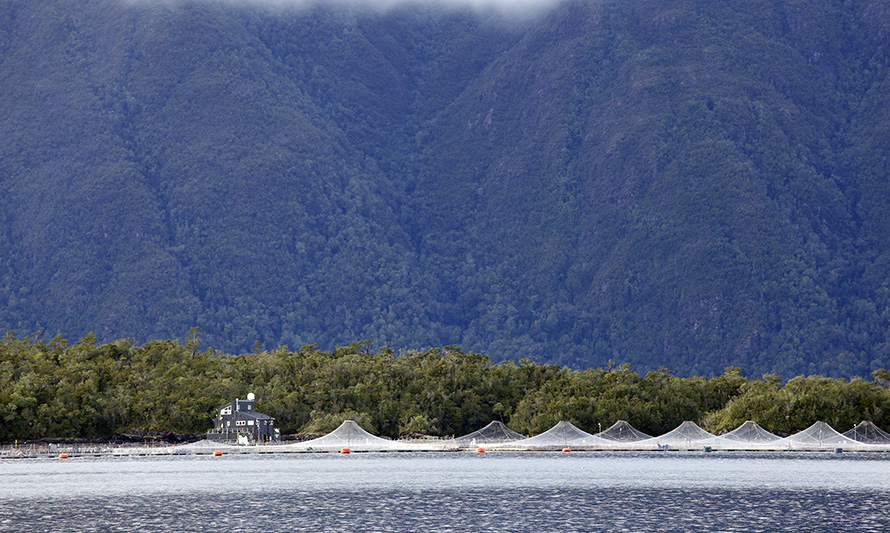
(694, 184)
(802, 401)
(87, 390)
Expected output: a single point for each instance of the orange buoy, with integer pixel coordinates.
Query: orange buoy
(566, 449)
(480, 450)
(344, 450)
(63, 456)
(217, 453)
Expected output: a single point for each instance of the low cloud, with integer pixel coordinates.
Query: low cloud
(504, 6)
(500, 5)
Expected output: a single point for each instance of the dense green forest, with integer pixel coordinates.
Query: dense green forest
(90, 390)
(660, 182)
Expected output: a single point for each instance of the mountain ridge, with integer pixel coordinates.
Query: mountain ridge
(678, 184)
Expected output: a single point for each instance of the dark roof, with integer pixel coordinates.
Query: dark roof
(252, 414)
(239, 411)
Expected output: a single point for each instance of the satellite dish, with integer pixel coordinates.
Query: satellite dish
(250, 396)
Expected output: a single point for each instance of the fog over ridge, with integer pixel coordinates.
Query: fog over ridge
(504, 6)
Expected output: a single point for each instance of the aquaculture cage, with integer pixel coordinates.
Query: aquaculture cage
(748, 436)
(349, 437)
(686, 436)
(868, 433)
(819, 436)
(494, 433)
(622, 431)
(562, 436)
(204, 446)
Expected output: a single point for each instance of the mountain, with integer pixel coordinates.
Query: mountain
(654, 182)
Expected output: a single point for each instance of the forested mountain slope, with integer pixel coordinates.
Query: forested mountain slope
(675, 183)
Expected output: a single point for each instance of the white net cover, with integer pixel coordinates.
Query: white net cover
(562, 435)
(622, 431)
(199, 447)
(686, 435)
(868, 433)
(204, 445)
(495, 432)
(818, 436)
(348, 435)
(750, 431)
(748, 436)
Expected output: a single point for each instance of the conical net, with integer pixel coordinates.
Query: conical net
(817, 436)
(204, 445)
(686, 432)
(751, 432)
(622, 431)
(868, 433)
(494, 432)
(686, 435)
(349, 435)
(562, 435)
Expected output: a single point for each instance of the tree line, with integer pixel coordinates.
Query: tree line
(90, 390)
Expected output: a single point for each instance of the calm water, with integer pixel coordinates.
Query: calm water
(450, 492)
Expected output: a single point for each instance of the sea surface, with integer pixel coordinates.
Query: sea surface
(460, 492)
